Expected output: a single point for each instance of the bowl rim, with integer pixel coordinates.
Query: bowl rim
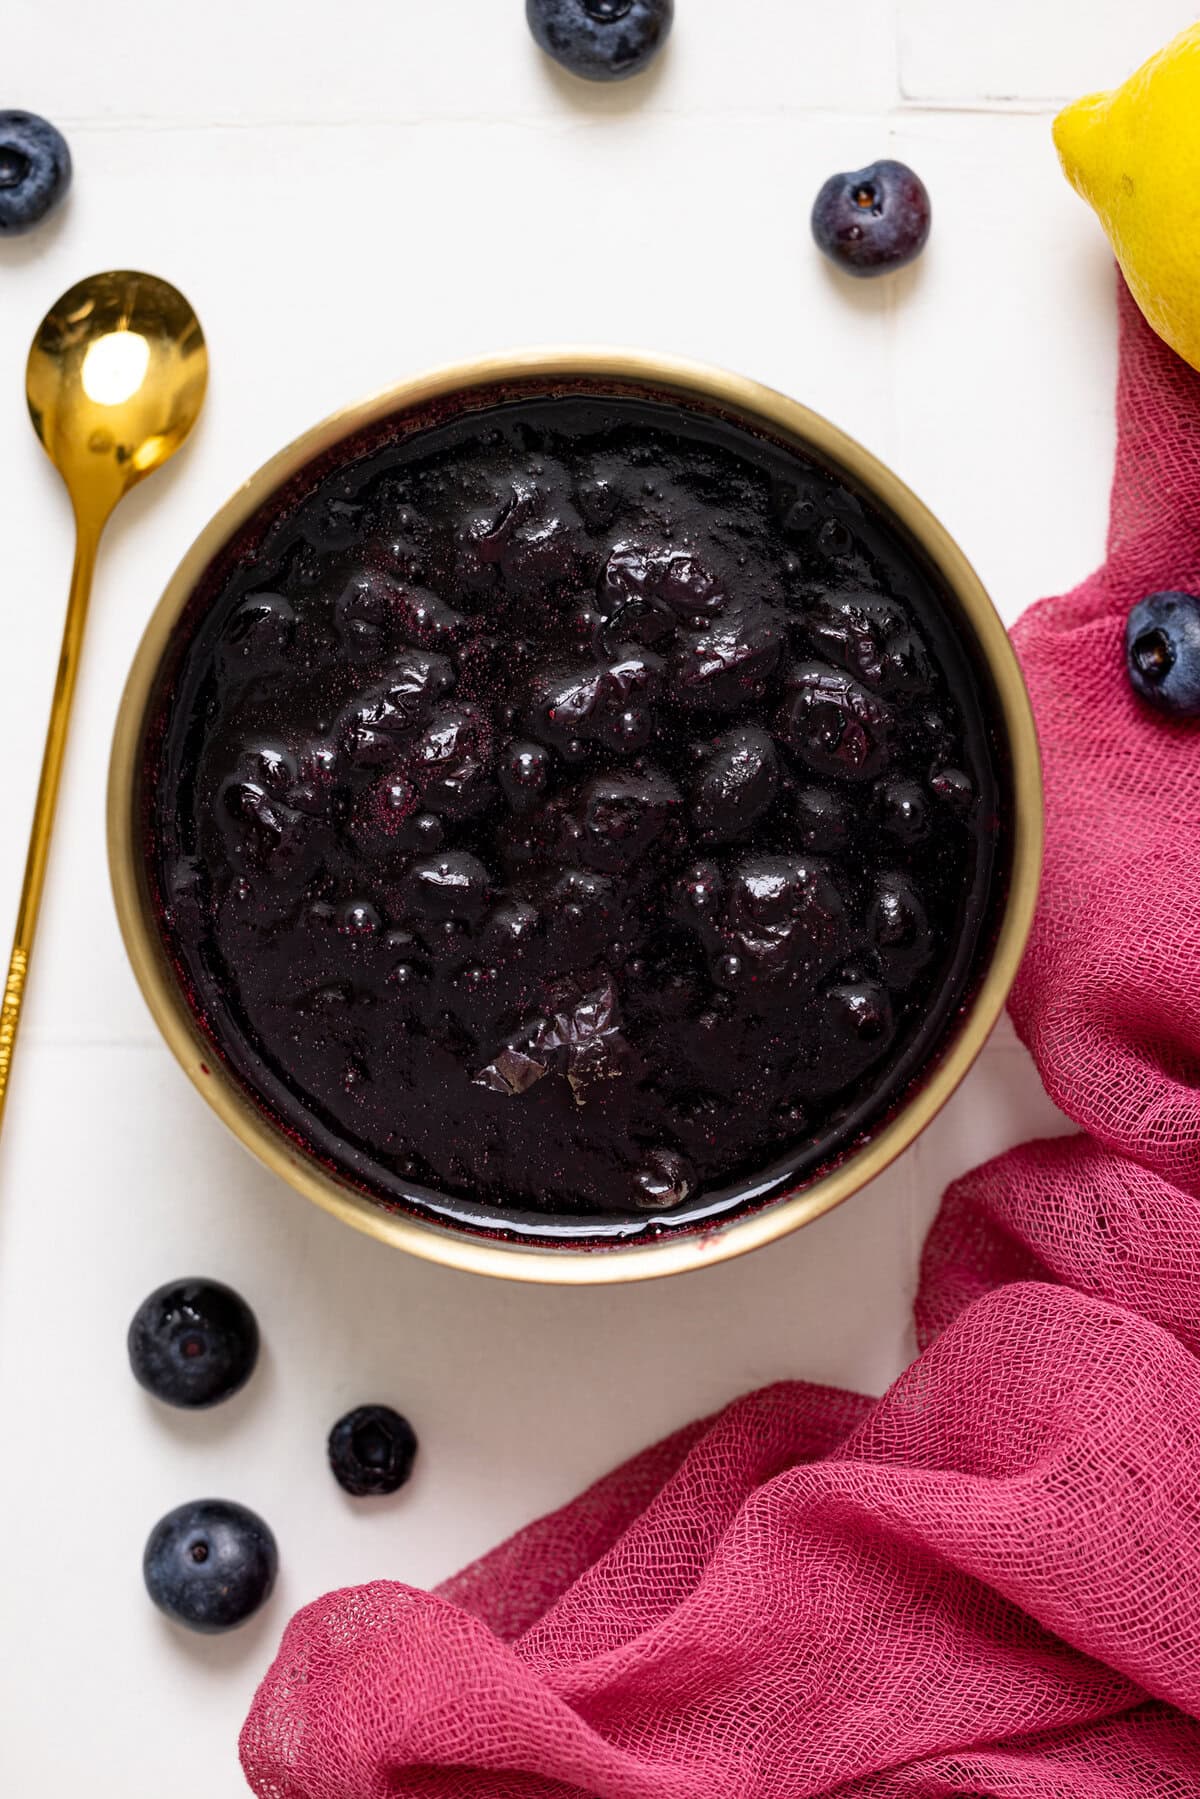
(757, 405)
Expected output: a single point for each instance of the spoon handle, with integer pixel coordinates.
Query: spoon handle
(87, 536)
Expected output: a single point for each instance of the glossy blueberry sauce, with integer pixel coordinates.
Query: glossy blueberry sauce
(579, 817)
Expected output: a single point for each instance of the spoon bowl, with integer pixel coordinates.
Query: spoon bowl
(115, 382)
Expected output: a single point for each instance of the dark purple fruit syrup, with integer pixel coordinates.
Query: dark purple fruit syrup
(578, 818)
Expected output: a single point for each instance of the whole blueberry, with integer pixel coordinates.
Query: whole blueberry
(210, 1564)
(372, 1450)
(602, 40)
(35, 171)
(193, 1343)
(1162, 652)
(872, 220)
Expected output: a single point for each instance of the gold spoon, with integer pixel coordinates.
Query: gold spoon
(115, 381)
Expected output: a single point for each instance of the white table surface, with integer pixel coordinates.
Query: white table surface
(348, 195)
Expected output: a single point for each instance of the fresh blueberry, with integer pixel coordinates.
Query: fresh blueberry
(872, 220)
(210, 1564)
(602, 40)
(372, 1450)
(1162, 652)
(35, 171)
(193, 1343)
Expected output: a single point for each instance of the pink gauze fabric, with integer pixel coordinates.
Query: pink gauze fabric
(988, 1582)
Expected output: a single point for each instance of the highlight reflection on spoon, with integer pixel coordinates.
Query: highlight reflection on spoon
(115, 367)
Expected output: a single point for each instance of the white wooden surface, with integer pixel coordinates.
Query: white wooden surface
(347, 196)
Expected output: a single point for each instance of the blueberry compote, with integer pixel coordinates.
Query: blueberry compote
(578, 816)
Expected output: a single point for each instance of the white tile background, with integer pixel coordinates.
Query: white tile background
(347, 195)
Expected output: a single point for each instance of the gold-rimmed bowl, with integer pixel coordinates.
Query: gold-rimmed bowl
(407, 408)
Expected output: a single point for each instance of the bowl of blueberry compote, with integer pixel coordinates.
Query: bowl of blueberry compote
(575, 816)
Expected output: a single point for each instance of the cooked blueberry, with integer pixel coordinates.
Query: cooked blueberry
(857, 1028)
(377, 725)
(800, 516)
(641, 621)
(903, 811)
(264, 834)
(872, 638)
(372, 1450)
(834, 724)
(623, 814)
(823, 820)
(872, 220)
(678, 579)
(1162, 652)
(601, 40)
(524, 774)
(455, 885)
(728, 665)
(861, 1011)
(510, 929)
(625, 722)
(953, 786)
(451, 761)
(571, 708)
(583, 1042)
(534, 535)
(210, 1565)
(664, 1179)
(784, 916)
(261, 632)
(564, 705)
(35, 171)
(272, 766)
(363, 611)
(737, 784)
(899, 929)
(598, 501)
(193, 1343)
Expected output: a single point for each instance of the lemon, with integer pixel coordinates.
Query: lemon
(1134, 155)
